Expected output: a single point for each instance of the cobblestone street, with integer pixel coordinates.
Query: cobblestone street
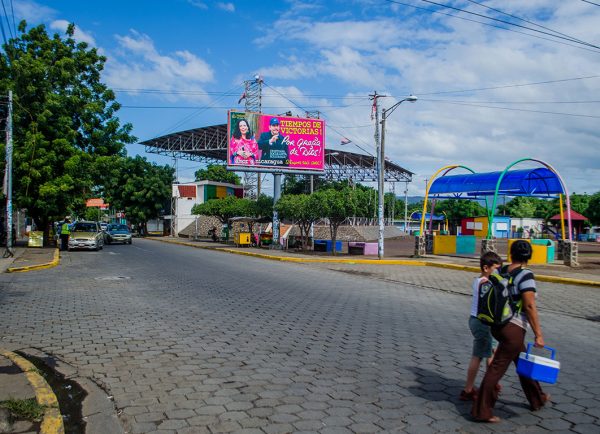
(197, 341)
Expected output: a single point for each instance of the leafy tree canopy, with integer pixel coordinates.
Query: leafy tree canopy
(217, 173)
(225, 208)
(64, 117)
(135, 186)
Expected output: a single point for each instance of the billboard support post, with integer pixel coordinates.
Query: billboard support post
(276, 197)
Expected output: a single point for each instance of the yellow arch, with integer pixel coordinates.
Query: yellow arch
(448, 168)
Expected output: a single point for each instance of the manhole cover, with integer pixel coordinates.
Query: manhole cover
(113, 278)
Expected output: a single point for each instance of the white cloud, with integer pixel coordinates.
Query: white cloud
(32, 12)
(198, 4)
(79, 34)
(138, 64)
(229, 7)
(396, 55)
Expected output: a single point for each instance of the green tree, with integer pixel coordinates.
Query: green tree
(337, 206)
(593, 210)
(217, 173)
(225, 208)
(263, 207)
(302, 209)
(64, 117)
(136, 186)
(456, 210)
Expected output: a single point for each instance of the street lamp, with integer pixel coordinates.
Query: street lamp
(381, 172)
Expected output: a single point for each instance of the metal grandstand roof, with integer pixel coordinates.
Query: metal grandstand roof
(209, 145)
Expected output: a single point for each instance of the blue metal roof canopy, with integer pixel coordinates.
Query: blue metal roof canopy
(539, 182)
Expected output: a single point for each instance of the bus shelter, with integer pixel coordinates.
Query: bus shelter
(542, 182)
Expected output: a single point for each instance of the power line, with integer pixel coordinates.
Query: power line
(568, 38)
(508, 108)
(301, 108)
(12, 11)
(488, 24)
(217, 93)
(202, 109)
(7, 21)
(508, 86)
(519, 18)
(592, 3)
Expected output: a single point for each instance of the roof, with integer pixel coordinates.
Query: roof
(574, 216)
(524, 182)
(187, 191)
(436, 217)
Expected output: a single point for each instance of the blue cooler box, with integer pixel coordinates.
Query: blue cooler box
(538, 368)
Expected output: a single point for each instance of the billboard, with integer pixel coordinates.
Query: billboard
(271, 141)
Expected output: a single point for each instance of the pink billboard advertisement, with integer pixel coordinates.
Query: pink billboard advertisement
(271, 141)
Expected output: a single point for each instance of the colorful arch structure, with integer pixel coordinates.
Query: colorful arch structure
(542, 181)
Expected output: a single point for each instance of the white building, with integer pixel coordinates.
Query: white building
(186, 195)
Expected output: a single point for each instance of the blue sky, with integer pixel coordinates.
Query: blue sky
(487, 96)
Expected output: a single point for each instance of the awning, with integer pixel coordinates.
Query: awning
(538, 182)
(436, 217)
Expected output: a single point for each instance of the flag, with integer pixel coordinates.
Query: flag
(243, 97)
(374, 108)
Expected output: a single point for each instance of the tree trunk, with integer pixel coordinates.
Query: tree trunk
(334, 228)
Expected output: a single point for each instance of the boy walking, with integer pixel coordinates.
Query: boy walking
(489, 263)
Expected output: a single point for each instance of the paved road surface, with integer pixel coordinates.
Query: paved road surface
(196, 341)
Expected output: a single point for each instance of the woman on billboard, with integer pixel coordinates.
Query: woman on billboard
(243, 146)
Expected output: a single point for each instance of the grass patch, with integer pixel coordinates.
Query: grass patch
(27, 409)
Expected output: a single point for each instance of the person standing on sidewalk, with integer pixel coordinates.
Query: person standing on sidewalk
(65, 231)
(511, 338)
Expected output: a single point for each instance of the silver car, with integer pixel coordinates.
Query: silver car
(86, 235)
(118, 233)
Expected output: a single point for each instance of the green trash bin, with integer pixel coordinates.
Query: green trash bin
(550, 249)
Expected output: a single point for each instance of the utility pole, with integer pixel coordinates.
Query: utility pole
(9, 151)
(380, 176)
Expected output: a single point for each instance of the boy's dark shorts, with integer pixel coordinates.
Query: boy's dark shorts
(482, 338)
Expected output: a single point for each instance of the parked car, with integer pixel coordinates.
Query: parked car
(118, 233)
(86, 235)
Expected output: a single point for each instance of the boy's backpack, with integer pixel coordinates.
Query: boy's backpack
(496, 304)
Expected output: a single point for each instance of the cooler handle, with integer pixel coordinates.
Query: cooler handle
(530, 346)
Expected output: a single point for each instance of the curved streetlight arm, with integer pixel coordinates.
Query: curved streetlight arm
(385, 113)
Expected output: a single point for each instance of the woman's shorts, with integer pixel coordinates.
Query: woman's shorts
(482, 338)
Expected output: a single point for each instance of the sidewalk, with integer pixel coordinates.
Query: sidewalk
(554, 273)
(30, 258)
(28, 403)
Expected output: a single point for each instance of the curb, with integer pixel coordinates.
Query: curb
(55, 261)
(409, 262)
(52, 423)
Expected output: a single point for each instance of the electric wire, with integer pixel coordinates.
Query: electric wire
(358, 98)
(333, 128)
(195, 113)
(3, 33)
(522, 19)
(7, 20)
(592, 3)
(12, 11)
(507, 108)
(562, 80)
(568, 38)
(489, 25)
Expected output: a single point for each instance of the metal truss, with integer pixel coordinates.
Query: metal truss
(208, 145)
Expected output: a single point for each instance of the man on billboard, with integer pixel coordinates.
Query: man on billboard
(273, 146)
